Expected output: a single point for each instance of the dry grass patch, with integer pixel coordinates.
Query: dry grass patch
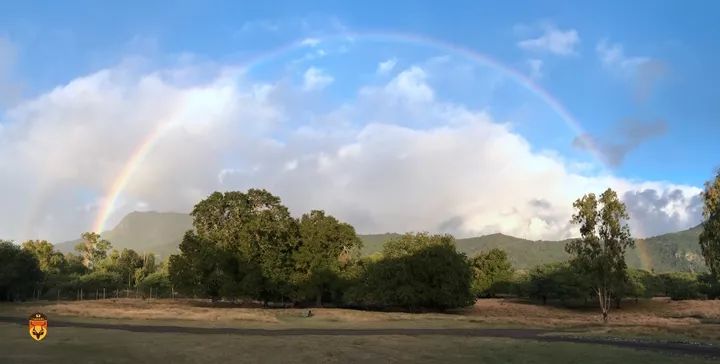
(151, 310)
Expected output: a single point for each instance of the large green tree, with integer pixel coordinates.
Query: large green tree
(196, 270)
(19, 272)
(50, 261)
(416, 271)
(127, 263)
(328, 249)
(252, 238)
(604, 238)
(93, 249)
(491, 270)
(710, 236)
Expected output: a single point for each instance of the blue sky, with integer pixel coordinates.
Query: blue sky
(639, 77)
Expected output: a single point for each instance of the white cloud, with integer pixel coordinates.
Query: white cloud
(316, 79)
(613, 55)
(386, 66)
(410, 85)
(535, 68)
(464, 173)
(310, 42)
(553, 40)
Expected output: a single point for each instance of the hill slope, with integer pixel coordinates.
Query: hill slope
(678, 251)
(161, 233)
(157, 232)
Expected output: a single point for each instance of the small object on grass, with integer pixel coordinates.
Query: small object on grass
(307, 313)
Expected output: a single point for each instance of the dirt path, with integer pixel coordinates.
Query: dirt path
(527, 334)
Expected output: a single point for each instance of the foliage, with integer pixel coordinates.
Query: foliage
(19, 272)
(257, 239)
(158, 282)
(709, 285)
(556, 281)
(600, 252)
(93, 249)
(99, 280)
(710, 236)
(196, 270)
(492, 273)
(329, 248)
(416, 271)
(681, 285)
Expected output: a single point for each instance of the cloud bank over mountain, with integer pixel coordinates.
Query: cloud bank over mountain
(395, 157)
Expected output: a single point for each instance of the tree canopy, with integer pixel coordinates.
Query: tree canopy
(600, 251)
(710, 236)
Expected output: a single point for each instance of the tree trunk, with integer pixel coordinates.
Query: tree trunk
(604, 299)
(318, 300)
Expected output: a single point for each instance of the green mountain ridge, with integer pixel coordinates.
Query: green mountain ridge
(157, 232)
(161, 233)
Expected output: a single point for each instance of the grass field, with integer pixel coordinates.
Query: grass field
(654, 319)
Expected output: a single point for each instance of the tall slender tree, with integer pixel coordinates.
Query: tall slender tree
(710, 236)
(604, 238)
(93, 249)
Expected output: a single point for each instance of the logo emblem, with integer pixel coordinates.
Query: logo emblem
(38, 326)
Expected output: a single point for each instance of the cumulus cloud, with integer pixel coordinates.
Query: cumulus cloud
(316, 79)
(623, 139)
(656, 212)
(553, 40)
(462, 172)
(386, 66)
(411, 86)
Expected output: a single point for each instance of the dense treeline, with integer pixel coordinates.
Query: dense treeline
(563, 284)
(36, 270)
(247, 246)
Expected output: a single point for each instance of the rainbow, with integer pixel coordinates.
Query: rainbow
(646, 262)
(146, 145)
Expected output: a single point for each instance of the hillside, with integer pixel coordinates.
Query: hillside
(161, 233)
(157, 232)
(678, 251)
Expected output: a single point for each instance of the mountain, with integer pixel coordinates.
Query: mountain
(157, 232)
(161, 233)
(678, 251)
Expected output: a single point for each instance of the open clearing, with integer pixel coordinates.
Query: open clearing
(122, 330)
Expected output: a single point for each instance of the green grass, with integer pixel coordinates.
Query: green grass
(74, 345)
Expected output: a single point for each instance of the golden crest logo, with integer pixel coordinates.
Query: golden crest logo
(38, 326)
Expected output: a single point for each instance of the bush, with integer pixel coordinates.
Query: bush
(416, 271)
(158, 282)
(492, 273)
(556, 281)
(709, 285)
(681, 285)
